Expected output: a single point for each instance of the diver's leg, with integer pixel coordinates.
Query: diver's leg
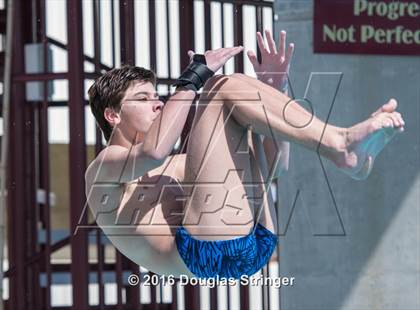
(218, 178)
(271, 113)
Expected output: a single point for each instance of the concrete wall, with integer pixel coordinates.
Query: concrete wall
(350, 244)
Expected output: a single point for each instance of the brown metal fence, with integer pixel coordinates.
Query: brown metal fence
(31, 271)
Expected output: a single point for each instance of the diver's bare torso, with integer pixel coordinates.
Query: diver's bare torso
(141, 217)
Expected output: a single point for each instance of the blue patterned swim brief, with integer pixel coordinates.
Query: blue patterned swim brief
(226, 258)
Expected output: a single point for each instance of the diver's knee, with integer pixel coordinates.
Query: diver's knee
(213, 81)
(214, 88)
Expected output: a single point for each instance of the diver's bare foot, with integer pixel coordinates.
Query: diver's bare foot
(365, 140)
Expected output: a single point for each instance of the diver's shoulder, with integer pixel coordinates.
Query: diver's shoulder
(91, 173)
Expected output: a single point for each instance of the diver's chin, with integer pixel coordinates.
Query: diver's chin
(139, 136)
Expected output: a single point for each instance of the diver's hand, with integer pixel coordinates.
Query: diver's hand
(217, 58)
(274, 66)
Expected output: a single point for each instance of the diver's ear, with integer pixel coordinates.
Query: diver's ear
(112, 116)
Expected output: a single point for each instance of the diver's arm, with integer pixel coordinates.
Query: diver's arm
(167, 127)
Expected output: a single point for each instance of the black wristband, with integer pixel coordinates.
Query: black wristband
(195, 75)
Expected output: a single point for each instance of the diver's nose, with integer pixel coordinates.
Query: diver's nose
(158, 106)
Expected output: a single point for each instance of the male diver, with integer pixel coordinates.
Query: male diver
(195, 214)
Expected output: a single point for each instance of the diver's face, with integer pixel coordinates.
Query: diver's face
(139, 108)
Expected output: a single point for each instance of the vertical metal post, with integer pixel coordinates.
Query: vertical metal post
(77, 156)
(44, 159)
(127, 32)
(44, 183)
(186, 37)
(6, 66)
(33, 217)
(19, 291)
(152, 35)
(265, 288)
(42, 297)
(186, 33)
(113, 33)
(153, 299)
(101, 259)
(133, 292)
(168, 41)
(97, 35)
(222, 20)
(207, 25)
(260, 25)
(118, 278)
(100, 250)
(118, 255)
(174, 304)
(237, 35)
(244, 296)
(128, 57)
(192, 297)
(213, 298)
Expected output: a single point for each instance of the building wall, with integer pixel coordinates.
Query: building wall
(350, 244)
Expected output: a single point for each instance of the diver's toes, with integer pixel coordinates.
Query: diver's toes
(400, 118)
(396, 120)
(387, 122)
